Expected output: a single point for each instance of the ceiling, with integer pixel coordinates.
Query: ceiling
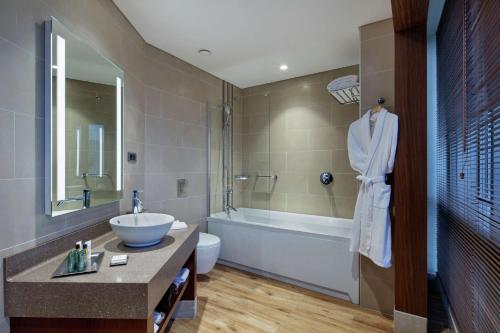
(250, 39)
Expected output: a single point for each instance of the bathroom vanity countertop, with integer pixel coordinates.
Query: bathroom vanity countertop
(131, 291)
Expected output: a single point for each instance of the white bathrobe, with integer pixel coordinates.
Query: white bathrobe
(373, 157)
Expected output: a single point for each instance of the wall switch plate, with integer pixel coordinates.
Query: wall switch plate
(132, 157)
(181, 184)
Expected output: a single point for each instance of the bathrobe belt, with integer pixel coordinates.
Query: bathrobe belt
(366, 217)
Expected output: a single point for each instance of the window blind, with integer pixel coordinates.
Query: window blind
(468, 161)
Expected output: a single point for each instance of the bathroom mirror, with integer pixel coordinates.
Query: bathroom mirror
(83, 124)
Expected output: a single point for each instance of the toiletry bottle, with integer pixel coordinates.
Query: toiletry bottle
(85, 251)
(70, 261)
(89, 251)
(82, 260)
(73, 259)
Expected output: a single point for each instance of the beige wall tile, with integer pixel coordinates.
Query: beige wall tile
(306, 118)
(344, 115)
(164, 77)
(340, 137)
(17, 85)
(340, 161)
(376, 286)
(376, 85)
(277, 163)
(343, 206)
(256, 163)
(254, 105)
(277, 202)
(376, 29)
(153, 157)
(257, 123)
(322, 138)
(309, 204)
(291, 182)
(153, 101)
(345, 185)
(194, 136)
(377, 54)
(133, 125)
(7, 144)
(256, 142)
(299, 161)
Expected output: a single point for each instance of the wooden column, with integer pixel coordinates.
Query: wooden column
(410, 174)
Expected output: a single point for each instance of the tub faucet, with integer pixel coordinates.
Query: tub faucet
(136, 202)
(228, 207)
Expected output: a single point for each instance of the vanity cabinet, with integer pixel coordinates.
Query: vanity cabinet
(115, 299)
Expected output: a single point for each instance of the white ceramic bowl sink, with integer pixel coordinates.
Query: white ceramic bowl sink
(141, 230)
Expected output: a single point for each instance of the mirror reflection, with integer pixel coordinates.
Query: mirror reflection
(85, 121)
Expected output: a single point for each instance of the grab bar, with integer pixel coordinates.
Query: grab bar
(275, 177)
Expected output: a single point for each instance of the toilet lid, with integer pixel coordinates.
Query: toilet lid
(207, 240)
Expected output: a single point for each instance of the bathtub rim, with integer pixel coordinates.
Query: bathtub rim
(249, 224)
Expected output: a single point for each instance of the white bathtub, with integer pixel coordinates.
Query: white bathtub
(305, 250)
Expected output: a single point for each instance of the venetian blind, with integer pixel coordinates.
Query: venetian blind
(468, 161)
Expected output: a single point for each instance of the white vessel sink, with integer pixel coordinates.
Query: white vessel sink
(141, 230)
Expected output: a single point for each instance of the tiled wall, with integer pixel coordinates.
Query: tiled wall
(295, 129)
(377, 79)
(164, 121)
(176, 135)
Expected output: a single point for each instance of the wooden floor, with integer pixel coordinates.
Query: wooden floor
(230, 300)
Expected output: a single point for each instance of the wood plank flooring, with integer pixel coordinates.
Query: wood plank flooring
(230, 300)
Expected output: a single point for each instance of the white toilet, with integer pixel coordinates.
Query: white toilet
(207, 252)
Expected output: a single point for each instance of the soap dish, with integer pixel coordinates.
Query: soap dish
(95, 264)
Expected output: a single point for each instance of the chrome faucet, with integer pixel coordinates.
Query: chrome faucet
(228, 207)
(136, 202)
(85, 198)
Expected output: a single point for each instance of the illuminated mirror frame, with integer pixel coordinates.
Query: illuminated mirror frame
(60, 129)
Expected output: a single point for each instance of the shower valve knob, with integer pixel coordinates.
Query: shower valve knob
(326, 178)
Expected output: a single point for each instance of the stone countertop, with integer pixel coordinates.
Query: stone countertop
(131, 291)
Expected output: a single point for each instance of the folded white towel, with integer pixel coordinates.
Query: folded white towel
(158, 316)
(156, 328)
(181, 277)
(178, 225)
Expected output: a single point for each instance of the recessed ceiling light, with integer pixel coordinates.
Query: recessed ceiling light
(283, 67)
(204, 52)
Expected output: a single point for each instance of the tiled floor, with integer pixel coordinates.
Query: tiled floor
(230, 300)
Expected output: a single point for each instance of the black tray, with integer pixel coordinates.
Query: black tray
(95, 264)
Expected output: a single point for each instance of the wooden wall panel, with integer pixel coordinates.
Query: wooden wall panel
(410, 174)
(409, 13)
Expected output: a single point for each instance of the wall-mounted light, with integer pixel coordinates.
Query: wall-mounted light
(101, 155)
(283, 67)
(118, 134)
(61, 118)
(78, 138)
